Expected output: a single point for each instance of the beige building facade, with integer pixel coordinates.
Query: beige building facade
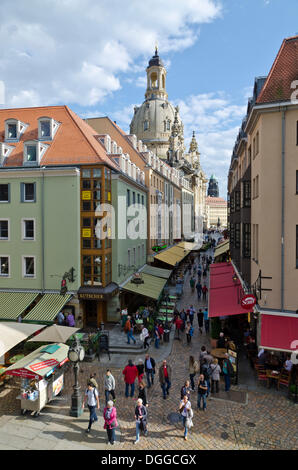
(216, 212)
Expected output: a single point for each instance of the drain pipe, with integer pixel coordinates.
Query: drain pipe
(283, 141)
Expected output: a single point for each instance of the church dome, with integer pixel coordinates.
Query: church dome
(153, 120)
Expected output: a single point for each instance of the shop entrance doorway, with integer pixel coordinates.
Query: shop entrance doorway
(91, 313)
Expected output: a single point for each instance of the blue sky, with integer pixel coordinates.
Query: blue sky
(92, 56)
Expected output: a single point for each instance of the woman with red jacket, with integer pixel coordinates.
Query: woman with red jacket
(110, 419)
(130, 373)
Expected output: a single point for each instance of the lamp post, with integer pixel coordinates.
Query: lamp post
(76, 354)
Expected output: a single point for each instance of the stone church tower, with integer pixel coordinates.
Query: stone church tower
(157, 121)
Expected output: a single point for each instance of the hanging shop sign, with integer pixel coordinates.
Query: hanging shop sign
(248, 302)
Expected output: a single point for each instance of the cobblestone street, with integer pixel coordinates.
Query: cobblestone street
(267, 420)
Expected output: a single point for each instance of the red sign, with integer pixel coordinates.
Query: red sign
(44, 364)
(24, 373)
(248, 302)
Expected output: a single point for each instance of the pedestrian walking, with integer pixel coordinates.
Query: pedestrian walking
(93, 380)
(142, 393)
(91, 397)
(109, 386)
(227, 370)
(157, 337)
(203, 353)
(61, 318)
(185, 390)
(206, 320)
(183, 316)
(209, 358)
(204, 291)
(141, 419)
(178, 323)
(70, 321)
(150, 370)
(110, 421)
(221, 342)
(191, 314)
(192, 284)
(207, 372)
(200, 316)
(194, 368)
(202, 392)
(199, 290)
(141, 370)
(189, 332)
(144, 337)
(130, 373)
(124, 316)
(187, 414)
(128, 329)
(215, 376)
(165, 374)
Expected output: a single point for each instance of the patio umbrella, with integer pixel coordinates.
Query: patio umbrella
(12, 333)
(55, 334)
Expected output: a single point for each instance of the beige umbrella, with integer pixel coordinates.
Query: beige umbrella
(12, 333)
(55, 334)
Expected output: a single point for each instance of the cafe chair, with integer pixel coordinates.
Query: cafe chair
(285, 378)
(262, 376)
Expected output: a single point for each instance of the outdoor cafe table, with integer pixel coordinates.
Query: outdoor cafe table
(219, 353)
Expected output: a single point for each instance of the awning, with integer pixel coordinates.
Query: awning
(152, 286)
(13, 304)
(189, 245)
(172, 255)
(224, 293)
(47, 308)
(12, 333)
(40, 362)
(55, 334)
(279, 332)
(158, 272)
(222, 248)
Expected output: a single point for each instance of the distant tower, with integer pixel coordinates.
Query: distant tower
(213, 190)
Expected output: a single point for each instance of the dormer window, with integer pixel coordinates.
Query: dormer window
(47, 128)
(146, 125)
(33, 152)
(5, 151)
(14, 129)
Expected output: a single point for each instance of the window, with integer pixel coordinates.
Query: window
(232, 234)
(28, 229)
(237, 200)
(28, 192)
(4, 266)
(256, 242)
(128, 258)
(133, 197)
(138, 198)
(257, 143)
(246, 241)
(142, 200)
(237, 235)
(246, 194)
(146, 125)
(14, 129)
(128, 198)
(11, 131)
(232, 203)
(31, 153)
(4, 229)
(28, 266)
(296, 181)
(4, 193)
(143, 251)
(134, 257)
(45, 129)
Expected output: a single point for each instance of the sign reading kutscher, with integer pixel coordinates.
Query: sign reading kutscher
(248, 302)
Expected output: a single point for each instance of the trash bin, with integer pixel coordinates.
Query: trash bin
(166, 336)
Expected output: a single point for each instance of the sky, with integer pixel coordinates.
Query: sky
(92, 56)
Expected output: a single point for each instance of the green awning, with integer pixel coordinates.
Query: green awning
(13, 304)
(47, 308)
(158, 272)
(152, 286)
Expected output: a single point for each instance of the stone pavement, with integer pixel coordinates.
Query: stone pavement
(265, 420)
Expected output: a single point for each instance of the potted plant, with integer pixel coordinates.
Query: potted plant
(215, 330)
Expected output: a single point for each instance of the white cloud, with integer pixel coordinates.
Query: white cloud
(76, 51)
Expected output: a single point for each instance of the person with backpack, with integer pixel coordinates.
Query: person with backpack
(202, 392)
(91, 396)
(193, 370)
(227, 370)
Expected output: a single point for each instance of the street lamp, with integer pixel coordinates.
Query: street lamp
(76, 354)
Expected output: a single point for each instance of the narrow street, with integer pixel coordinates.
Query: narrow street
(264, 419)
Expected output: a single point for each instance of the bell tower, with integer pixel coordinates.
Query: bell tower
(156, 78)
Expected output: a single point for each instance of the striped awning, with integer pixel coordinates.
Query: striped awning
(13, 304)
(172, 255)
(222, 248)
(47, 308)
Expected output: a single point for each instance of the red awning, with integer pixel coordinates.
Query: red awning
(279, 332)
(224, 293)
